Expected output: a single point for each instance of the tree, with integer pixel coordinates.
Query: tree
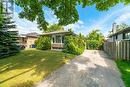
(7, 38)
(54, 27)
(94, 40)
(121, 26)
(65, 10)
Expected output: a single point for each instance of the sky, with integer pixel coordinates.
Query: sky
(89, 19)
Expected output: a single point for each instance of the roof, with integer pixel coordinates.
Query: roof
(33, 34)
(121, 31)
(57, 32)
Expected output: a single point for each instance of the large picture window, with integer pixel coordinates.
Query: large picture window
(58, 39)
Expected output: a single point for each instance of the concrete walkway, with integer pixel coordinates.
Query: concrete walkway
(91, 69)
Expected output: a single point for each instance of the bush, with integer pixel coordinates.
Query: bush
(43, 43)
(6, 51)
(94, 40)
(94, 44)
(74, 45)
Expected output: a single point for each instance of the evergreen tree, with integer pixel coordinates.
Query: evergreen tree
(8, 37)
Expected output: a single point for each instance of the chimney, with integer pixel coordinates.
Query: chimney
(114, 26)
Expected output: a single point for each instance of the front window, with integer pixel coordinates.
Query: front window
(58, 39)
(63, 39)
(126, 36)
(116, 37)
(53, 40)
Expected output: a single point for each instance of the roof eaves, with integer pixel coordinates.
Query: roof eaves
(121, 31)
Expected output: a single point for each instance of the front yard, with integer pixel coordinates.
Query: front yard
(29, 67)
(124, 68)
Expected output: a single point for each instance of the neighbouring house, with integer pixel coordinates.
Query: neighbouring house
(120, 35)
(57, 39)
(28, 40)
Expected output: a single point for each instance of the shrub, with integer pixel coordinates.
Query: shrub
(94, 40)
(43, 43)
(6, 51)
(74, 45)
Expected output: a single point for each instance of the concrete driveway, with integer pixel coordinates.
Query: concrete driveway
(91, 69)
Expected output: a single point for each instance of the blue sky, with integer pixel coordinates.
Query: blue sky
(89, 19)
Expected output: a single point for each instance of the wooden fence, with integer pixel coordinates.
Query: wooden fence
(118, 49)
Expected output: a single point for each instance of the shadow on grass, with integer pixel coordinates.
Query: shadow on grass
(24, 84)
(39, 61)
(16, 75)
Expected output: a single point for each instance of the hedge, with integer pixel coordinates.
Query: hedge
(43, 43)
(74, 45)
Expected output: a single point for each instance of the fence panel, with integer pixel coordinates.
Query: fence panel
(118, 49)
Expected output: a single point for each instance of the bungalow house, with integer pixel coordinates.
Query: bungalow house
(57, 41)
(28, 40)
(120, 35)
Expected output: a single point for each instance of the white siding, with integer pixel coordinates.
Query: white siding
(120, 37)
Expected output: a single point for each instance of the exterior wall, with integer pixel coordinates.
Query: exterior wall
(30, 41)
(120, 37)
(22, 41)
(110, 40)
(116, 38)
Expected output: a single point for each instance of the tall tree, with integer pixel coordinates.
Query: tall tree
(65, 10)
(7, 38)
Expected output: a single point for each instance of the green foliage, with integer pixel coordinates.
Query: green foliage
(121, 26)
(74, 45)
(65, 10)
(54, 27)
(94, 40)
(43, 43)
(7, 38)
(125, 71)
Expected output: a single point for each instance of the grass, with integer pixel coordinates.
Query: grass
(29, 67)
(125, 70)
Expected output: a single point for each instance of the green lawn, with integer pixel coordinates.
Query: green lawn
(125, 70)
(29, 67)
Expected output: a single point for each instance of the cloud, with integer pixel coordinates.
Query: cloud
(123, 18)
(49, 16)
(78, 27)
(25, 26)
(104, 22)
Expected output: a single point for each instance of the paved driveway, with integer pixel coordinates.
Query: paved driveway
(91, 69)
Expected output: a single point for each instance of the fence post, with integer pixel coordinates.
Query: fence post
(128, 50)
(124, 50)
(118, 49)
